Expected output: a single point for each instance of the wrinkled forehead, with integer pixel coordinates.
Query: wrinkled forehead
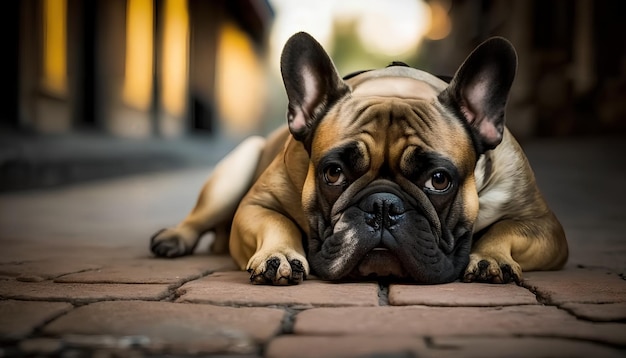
(396, 81)
(405, 94)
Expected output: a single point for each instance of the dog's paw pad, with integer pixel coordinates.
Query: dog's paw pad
(298, 272)
(169, 243)
(269, 274)
(509, 274)
(492, 270)
(278, 270)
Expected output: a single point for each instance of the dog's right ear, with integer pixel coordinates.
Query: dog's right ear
(312, 84)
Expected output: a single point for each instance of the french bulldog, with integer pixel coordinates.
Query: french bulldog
(391, 172)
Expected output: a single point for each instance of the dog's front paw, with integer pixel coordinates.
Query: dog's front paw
(278, 268)
(492, 269)
(173, 242)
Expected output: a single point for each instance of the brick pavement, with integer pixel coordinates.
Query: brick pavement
(77, 279)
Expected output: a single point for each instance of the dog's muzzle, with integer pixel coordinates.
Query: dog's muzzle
(382, 212)
(384, 232)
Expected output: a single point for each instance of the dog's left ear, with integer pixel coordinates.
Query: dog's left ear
(480, 88)
(312, 84)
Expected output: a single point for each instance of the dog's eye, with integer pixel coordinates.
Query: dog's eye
(333, 175)
(438, 182)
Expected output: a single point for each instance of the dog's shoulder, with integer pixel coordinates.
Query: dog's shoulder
(505, 183)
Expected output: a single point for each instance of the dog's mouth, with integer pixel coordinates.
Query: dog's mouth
(378, 263)
(384, 234)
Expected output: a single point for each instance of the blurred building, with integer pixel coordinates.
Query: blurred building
(571, 77)
(83, 76)
(134, 68)
(145, 68)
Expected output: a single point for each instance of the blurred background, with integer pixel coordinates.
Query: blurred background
(99, 88)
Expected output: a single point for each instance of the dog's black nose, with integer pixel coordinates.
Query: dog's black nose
(382, 210)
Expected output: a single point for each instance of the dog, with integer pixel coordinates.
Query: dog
(391, 172)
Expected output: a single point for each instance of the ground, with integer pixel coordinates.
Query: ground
(77, 279)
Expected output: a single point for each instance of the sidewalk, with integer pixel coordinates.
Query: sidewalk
(31, 161)
(77, 280)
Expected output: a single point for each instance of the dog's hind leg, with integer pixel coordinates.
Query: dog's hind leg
(216, 205)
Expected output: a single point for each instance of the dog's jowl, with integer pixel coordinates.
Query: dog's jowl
(390, 172)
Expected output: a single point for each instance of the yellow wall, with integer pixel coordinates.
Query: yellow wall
(54, 76)
(175, 56)
(137, 87)
(240, 81)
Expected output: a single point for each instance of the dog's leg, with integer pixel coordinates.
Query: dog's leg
(269, 246)
(222, 233)
(216, 204)
(510, 247)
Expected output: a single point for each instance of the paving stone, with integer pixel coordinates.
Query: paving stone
(19, 319)
(345, 346)
(153, 270)
(173, 327)
(40, 346)
(407, 346)
(576, 285)
(80, 292)
(234, 288)
(485, 347)
(79, 248)
(460, 294)
(528, 320)
(36, 271)
(605, 312)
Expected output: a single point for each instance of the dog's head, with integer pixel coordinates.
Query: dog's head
(390, 188)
